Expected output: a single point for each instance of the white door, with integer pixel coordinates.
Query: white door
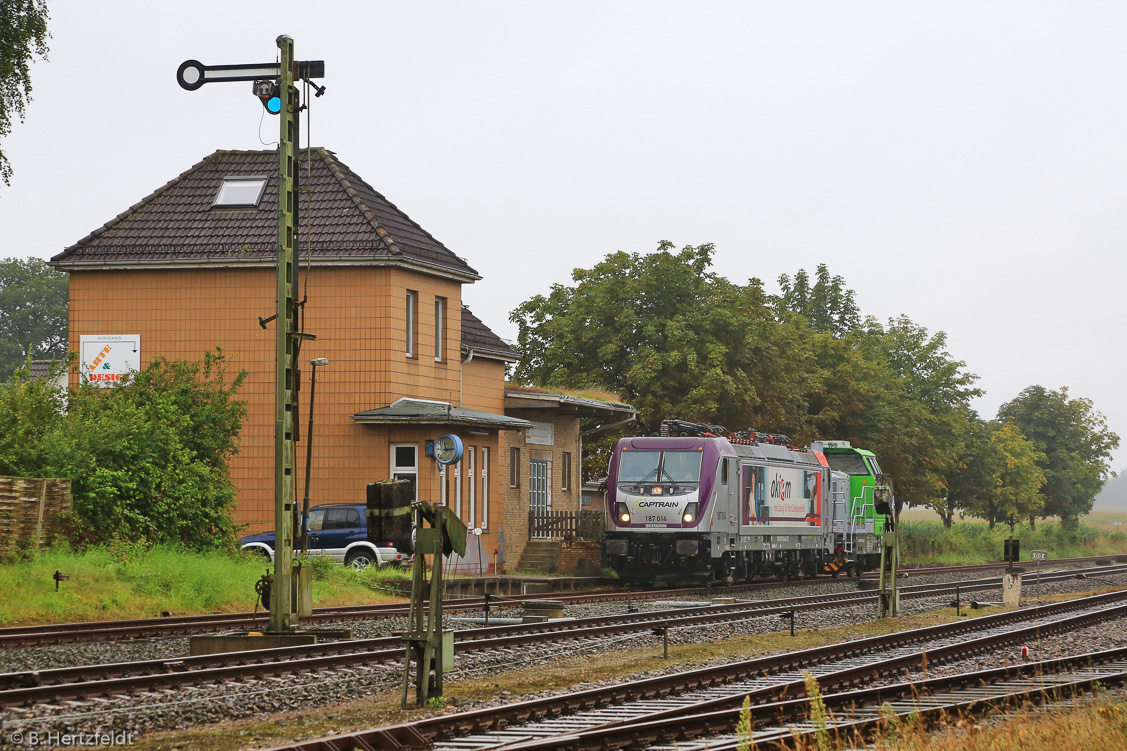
(539, 493)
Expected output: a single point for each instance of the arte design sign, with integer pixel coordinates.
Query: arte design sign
(107, 359)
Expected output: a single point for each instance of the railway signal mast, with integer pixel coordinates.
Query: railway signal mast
(273, 84)
(889, 591)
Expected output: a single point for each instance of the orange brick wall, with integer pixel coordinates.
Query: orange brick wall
(566, 435)
(359, 317)
(568, 560)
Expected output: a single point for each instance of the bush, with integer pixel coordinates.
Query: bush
(147, 459)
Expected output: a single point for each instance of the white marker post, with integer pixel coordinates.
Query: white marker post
(1038, 555)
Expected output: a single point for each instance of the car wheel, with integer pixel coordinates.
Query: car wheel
(359, 559)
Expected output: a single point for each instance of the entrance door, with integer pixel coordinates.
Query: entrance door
(539, 495)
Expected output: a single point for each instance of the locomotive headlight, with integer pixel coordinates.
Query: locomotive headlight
(690, 514)
(622, 513)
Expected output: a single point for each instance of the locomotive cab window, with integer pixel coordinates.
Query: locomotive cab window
(850, 464)
(723, 471)
(659, 466)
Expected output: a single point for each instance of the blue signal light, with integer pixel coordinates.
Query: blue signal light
(270, 95)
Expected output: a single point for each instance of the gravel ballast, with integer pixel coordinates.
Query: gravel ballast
(190, 706)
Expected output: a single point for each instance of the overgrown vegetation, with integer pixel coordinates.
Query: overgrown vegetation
(976, 542)
(1100, 725)
(148, 459)
(124, 580)
(677, 340)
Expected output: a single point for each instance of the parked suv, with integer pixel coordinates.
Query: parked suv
(339, 531)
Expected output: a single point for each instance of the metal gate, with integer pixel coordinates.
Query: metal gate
(539, 492)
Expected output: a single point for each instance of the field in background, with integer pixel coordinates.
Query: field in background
(129, 581)
(923, 539)
(1098, 519)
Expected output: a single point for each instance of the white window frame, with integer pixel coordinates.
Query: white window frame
(442, 485)
(398, 469)
(458, 490)
(412, 314)
(439, 328)
(470, 456)
(232, 182)
(485, 487)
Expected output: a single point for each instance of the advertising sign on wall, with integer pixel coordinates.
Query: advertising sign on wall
(107, 359)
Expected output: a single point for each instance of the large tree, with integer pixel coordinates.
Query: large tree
(1076, 445)
(918, 407)
(828, 304)
(669, 336)
(33, 313)
(1017, 487)
(972, 475)
(23, 37)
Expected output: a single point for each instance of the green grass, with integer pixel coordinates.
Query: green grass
(126, 581)
(970, 541)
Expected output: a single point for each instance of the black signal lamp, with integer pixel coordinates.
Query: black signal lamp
(269, 93)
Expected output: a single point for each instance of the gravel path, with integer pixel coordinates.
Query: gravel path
(186, 707)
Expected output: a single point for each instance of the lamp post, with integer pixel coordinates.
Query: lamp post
(318, 362)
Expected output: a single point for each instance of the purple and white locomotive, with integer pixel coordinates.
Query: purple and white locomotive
(698, 503)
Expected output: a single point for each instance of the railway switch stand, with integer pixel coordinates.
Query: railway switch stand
(429, 646)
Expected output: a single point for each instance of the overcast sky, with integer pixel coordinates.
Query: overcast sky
(960, 163)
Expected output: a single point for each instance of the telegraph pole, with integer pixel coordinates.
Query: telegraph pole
(191, 75)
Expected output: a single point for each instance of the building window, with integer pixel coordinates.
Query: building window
(565, 471)
(439, 327)
(470, 483)
(412, 320)
(458, 489)
(405, 465)
(514, 467)
(240, 192)
(484, 487)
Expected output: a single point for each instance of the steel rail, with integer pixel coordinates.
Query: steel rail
(862, 710)
(20, 688)
(65, 633)
(422, 733)
(29, 635)
(699, 717)
(667, 618)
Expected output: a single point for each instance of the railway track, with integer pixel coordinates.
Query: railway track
(856, 715)
(66, 633)
(705, 703)
(83, 682)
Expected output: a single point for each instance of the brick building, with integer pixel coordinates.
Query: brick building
(191, 267)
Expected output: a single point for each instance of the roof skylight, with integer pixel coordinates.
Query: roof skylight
(240, 192)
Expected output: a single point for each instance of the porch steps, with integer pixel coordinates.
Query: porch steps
(539, 555)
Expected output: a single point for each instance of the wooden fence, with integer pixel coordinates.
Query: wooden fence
(32, 511)
(565, 525)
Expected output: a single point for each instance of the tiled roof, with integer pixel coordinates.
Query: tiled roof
(343, 219)
(477, 336)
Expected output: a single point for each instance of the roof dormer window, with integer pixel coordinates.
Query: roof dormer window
(240, 192)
